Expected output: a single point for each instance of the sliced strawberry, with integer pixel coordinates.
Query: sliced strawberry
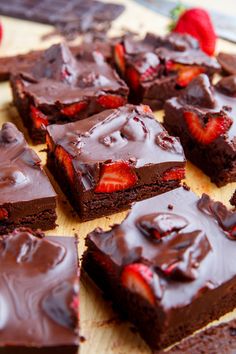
(111, 101)
(214, 125)
(1, 32)
(137, 277)
(66, 161)
(149, 74)
(186, 73)
(175, 173)
(39, 118)
(3, 214)
(145, 108)
(170, 269)
(119, 54)
(133, 78)
(74, 108)
(115, 176)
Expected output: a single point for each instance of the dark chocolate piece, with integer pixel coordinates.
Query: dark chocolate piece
(61, 88)
(27, 198)
(169, 272)
(107, 161)
(216, 339)
(157, 68)
(228, 62)
(71, 17)
(39, 293)
(203, 118)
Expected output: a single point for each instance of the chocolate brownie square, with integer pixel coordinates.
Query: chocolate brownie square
(39, 293)
(169, 267)
(27, 198)
(60, 88)
(107, 161)
(157, 68)
(203, 118)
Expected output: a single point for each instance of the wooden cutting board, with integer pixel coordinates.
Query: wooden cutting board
(103, 331)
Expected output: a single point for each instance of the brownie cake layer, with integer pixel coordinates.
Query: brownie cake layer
(61, 87)
(39, 293)
(26, 196)
(216, 339)
(203, 118)
(109, 160)
(157, 68)
(169, 267)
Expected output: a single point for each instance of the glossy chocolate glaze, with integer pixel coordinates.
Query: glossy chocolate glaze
(58, 77)
(194, 243)
(22, 178)
(38, 282)
(129, 133)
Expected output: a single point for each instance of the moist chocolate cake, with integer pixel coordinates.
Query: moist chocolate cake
(157, 68)
(39, 294)
(27, 198)
(214, 340)
(60, 88)
(107, 161)
(203, 118)
(169, 271)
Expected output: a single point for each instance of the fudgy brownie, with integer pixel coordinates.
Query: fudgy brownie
(27, 198)
(169, 267)
(107, 161)
(61, 87)
(227, 62)
(203, 118)
(216, 339)
(157, 68)
(39, 294)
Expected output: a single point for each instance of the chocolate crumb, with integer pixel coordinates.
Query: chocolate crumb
(186, 187)
(170, 206)
(82, 339)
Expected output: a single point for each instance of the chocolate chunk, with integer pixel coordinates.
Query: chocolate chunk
(228, 62)
(227, 85)
(199, 92)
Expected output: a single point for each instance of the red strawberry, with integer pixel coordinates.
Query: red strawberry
(137, 277)
(173, 174)
(111, 101)
(66, 160)
(149, 74)
(3, 214)
(133, 78)
(39, 118)
(1, 32)
(186, 73)
(197, 23)
(119, 54)
(74, 108)
(214, 125)
(115, 176)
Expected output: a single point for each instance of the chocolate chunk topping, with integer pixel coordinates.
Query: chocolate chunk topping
(167, 142)
(179, 256)
(228, 62)
(57, 304)
(199, 92)
(225, 217)
(158, 225)
(227, 85)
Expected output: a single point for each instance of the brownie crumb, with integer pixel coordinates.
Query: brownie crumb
(186, 187)
(82, 339)
(232, 331)
(170, 206)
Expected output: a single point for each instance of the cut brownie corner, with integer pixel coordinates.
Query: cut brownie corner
(202, 117)
(108, 161)
(45, 274)
(27, 197)
(161, 267)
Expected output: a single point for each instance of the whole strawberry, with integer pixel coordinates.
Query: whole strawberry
(197, 23)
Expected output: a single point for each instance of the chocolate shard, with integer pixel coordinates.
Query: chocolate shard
(56, 63)
(158, 225)
(225, 218)
(180, 255)
(227, 85)
(199, 92)
(228, 62)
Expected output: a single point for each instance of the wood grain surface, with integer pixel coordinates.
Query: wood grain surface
(102, 329)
